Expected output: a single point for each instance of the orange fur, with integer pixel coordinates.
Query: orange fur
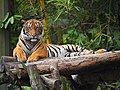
(41, 52)
(19, 53)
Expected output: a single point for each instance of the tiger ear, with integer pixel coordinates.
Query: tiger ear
(42, 20)
(23, 21)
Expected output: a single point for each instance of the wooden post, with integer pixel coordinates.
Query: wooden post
(4, 34)
(35, 80)
(55, 75)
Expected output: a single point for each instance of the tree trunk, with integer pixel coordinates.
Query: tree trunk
(4, 35)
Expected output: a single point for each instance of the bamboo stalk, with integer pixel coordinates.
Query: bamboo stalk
(42, 7)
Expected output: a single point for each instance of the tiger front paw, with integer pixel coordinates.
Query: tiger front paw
(20, 54)
(32, 58)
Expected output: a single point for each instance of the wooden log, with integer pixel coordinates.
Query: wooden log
(55, 74)
(54, 70)
(53, 84)
(90, 67)
(3, 78)
(75, 65)
(35, 80)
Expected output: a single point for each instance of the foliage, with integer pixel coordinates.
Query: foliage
(26, 88)
(85, 23)
(109, 86)
(9, 20)
(12, 20)
(92, 39)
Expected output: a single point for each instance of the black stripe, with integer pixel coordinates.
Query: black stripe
(79, 53)
(77, 48)
(19, 45)
(51, 52)
(76, 54)
(67, 55)
(25, 44)
(48, 51)
(23, 31)
(54, 49)
(82, 49)
(73, 48)
(58, 48)
(68, 49)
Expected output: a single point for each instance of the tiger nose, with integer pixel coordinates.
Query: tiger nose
(34, 33)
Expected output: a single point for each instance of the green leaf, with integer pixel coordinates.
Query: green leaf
(59, 14)
(12, 20)
(17, 17)
(77, 8)
(71, 31)
(2, 25)
(98, 88)
(6, 24)
(6, 17)
(68, 2)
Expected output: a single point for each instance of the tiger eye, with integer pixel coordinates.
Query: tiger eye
(37, 25)
(25, 31)
(40, 31)
(29, 25)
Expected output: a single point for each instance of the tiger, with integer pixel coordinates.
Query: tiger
(31, 47)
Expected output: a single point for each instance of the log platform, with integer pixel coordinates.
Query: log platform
(82, 71)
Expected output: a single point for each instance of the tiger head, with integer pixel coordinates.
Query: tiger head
(32, 30)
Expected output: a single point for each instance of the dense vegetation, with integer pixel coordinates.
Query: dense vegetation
(92, 24)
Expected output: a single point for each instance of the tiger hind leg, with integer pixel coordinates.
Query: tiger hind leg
(84, 52)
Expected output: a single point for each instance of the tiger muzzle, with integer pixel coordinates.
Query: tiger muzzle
(34, 39)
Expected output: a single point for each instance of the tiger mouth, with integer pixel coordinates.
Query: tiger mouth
(34, 40)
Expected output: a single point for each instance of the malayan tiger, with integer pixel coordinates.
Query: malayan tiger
(30, 46)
